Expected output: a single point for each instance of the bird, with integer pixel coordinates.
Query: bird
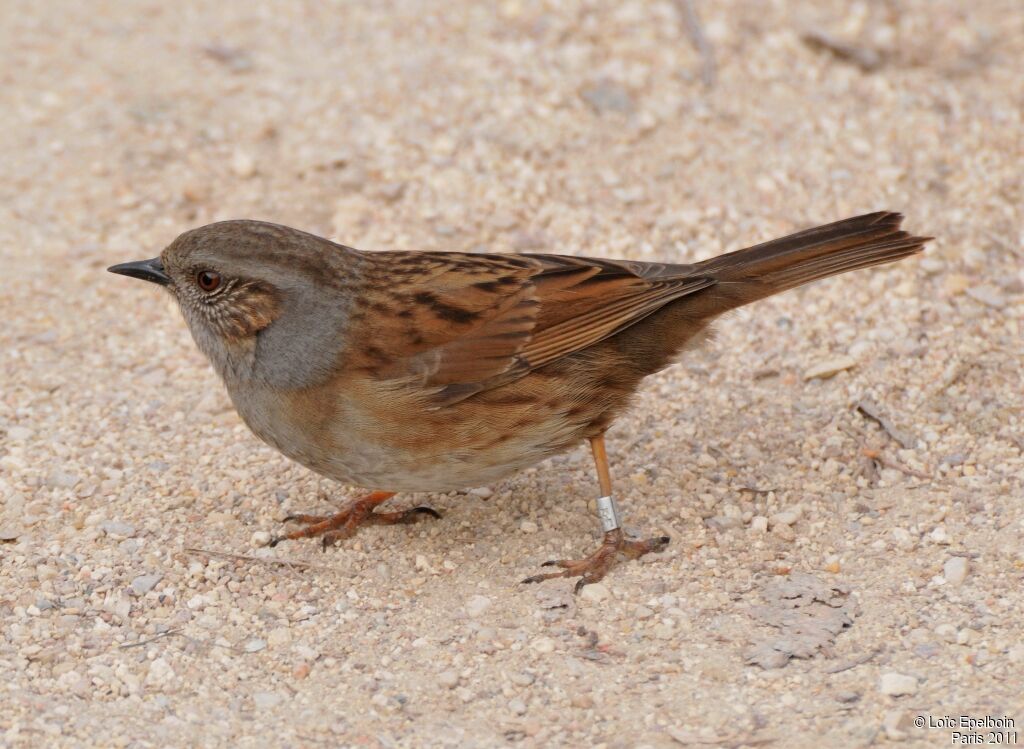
(424, 371)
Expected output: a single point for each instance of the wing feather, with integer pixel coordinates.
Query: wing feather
(457, 324)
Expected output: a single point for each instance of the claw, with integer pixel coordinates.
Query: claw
(343, 524)
(424, 510)
(593, 568)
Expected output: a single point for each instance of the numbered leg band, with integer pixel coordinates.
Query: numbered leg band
(608, 511)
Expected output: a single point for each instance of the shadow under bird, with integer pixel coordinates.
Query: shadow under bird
(437, 371)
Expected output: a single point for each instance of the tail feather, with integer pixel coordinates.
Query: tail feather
(765, 269)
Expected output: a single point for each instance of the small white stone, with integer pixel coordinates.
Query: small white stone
(896, 724)
(543, 645)
(517, 706)
(595, 593)
(528, 526)
(902, 538)
(522, 678)
(483, 492)
(255, 645)
(896, 684)
(305, 652)
(706, 460)
(477, 605)
(19, 434)
(788, 517)
(966, 636)
(243, 164)
(987, 294)
(955, 570)
(144, 583)
(280, 636)
(829, 367)
(160, 672)
(448, 679)
(642, 612)
(759, 524)
(267, 700)
(947, 632)
(260, 538)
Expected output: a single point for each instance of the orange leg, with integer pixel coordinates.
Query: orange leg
(614, 546)
(342, 525)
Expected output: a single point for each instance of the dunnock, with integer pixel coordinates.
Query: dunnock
(435, 371)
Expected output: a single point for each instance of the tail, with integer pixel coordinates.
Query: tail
(756, 272)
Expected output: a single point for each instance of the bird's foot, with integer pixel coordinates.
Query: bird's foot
(342, 525)
(594, 567)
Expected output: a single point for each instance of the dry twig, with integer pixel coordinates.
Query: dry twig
(864, 58)
(885, 462)
(870, 409)
(852, 663)
(270, 561)
(708, 69)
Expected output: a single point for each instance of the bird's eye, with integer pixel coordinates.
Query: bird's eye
(208, 280)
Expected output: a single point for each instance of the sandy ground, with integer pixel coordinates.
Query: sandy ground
(137, 608)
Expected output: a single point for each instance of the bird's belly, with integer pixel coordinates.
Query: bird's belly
(365, 439)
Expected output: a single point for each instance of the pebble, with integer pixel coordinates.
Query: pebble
(118, 529)
(988, 295)
(544, 644)
(903, 540)
(783, 518)
(243, 164)
(595, 593)
(144, 583)
(896, 723)
(947, 632)
(955, 570)
(477, 605)
(61, 480)
(255, 645)
(160, 672)
(279, 637)
(642, 612)
(522, 678)
(259, 539)
(785, 532)
(305, 652)
(829, 367)
(448, 679)
(896, 684)
(19, 434)
(528, 526)
(759, 524)
(267, 700)
(608, 96)
(483, 492)
(517, 706)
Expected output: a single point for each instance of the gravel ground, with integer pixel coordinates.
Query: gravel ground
(829, 580)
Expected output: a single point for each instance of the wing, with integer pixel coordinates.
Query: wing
(457, 323)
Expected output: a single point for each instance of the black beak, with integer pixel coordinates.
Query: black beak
(147, 270)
